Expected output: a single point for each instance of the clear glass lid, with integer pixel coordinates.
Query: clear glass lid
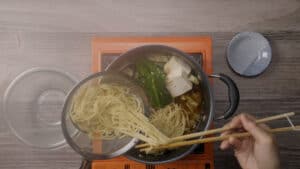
(33, 103)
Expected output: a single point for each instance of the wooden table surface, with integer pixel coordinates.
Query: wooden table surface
(57, 34)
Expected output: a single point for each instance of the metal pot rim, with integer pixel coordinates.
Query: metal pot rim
(204, 78)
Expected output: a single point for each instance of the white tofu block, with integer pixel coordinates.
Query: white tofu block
(175, 64)
(176, 73)
(178, 85)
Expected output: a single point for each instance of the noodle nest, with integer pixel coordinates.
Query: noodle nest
(111, 111)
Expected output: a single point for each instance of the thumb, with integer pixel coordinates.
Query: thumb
(259, 134)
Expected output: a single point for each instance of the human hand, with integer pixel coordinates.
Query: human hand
(256, 152)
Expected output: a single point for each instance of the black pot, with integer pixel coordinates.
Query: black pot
(131, 56)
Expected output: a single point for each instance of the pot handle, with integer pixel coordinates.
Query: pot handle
(233, 95)
(85, 164)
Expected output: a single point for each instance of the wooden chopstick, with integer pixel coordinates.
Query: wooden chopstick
(218, 138)
(219, 130)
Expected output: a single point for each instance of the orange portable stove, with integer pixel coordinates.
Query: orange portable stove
(105, 50)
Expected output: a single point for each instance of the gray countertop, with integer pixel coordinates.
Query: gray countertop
(58, 34)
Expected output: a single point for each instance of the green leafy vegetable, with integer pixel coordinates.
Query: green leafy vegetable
(152, 78)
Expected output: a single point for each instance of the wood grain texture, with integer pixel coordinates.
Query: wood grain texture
(148, 16)
(274, 92)
(57, 34)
